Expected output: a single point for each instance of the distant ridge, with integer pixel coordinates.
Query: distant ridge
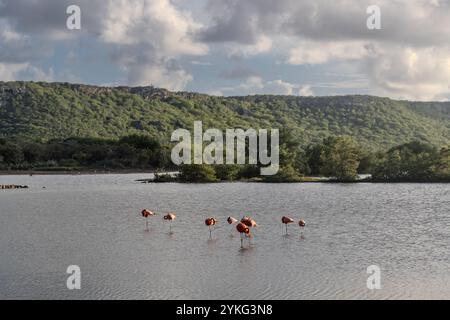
(43, 111)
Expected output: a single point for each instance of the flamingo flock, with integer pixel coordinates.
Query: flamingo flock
(288, 220)
(244, 226)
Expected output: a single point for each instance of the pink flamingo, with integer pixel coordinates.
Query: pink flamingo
(210, 222)
(170, 217)
(147, 213)
(286, 221)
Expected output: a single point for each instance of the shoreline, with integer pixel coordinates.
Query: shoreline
(71, 172)
(151, 180)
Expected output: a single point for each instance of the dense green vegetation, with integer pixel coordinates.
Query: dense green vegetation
(71, 127)
(412, 162)
(129, 152)
(197, 173)
(42, 111)
(338, 157)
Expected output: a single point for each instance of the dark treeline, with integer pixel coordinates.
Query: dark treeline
(410, 162)
(130, 152)
(340, 158)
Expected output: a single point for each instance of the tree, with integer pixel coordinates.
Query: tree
(414, 161)
(290, 160)
(227, 172)
(11, 153)
(33, 152)
(197, 173)
(248, 171)
(287, 173)
(313, 155)
(340, 158)
(140, 141)
(442, 165)
(369, 161)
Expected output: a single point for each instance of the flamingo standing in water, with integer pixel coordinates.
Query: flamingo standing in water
(286, 221)
(250, 223)
(170, 217)
(302, 224)
(210, 222)
(231, 221)
(244, 230)
(147, 213)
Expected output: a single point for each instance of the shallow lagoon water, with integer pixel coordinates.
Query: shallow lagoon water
(94, 221)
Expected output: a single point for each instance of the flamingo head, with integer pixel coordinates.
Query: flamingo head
(231, 220)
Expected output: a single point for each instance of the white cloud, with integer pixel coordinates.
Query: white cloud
(411, 73)
(262, 45)
(313, 52)
(201, 63)
(147, 39)
(148, 36)
(9, 71)
(306, 91)
(406, 59)
(256, 85)
(158, 75)
(155, 22)
(21, 71)
(8, 35)
(216, 93)
(405, 72)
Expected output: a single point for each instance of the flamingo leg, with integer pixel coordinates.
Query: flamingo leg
(210, 232)
(286, 229)
(242, 241)
(146, 223)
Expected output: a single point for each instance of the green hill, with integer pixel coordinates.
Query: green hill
(42, 111)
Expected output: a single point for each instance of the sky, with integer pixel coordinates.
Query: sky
(233, 47)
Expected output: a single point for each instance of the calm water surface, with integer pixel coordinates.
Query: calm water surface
(94, 222)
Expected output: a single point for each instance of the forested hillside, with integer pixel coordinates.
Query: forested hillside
(44, 111)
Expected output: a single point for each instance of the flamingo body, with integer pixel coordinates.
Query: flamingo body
(170, 217)
(147, 213)
(210, 222)
(249, 222)
(242, 228)
(287, 220)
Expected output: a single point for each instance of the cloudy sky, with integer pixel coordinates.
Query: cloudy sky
(233, 47)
